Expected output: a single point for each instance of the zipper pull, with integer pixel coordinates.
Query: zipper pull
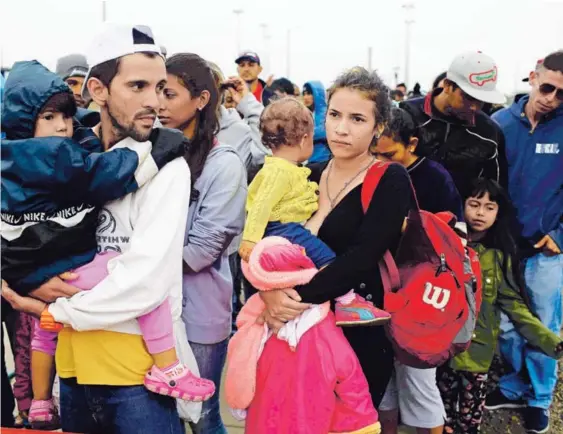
(443, 263)
(443, 267)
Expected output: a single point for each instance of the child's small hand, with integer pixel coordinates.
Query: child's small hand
(245, 250)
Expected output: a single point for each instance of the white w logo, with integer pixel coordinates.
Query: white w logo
(432, 296)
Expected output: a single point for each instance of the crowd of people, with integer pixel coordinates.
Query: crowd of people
(160, 220)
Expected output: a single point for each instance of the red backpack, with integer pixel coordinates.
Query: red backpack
(432, 286)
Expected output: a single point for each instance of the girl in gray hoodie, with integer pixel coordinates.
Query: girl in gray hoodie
(216, 216)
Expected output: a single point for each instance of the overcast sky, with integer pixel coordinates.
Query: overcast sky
(326, 36)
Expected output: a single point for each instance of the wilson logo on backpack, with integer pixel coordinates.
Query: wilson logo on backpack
(432, 286)
(435, 301)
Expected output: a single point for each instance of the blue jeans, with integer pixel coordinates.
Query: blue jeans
(211, 360)
(544, 283)
(117, 410)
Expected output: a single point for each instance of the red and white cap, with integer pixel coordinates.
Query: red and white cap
(476, 74)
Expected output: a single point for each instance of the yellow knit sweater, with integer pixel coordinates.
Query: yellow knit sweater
(280, 192)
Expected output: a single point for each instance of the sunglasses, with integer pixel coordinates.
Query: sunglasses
(548, 89)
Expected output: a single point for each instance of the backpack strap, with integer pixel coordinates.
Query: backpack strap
(389, 273)
(387, 267)
(371, 181)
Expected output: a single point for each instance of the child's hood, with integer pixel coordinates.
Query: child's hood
(28, 87)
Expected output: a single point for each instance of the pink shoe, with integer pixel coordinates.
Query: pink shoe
(359, 313)
(184, 386)
(43, 415)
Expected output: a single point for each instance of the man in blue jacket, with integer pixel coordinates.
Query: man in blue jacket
(533, 129)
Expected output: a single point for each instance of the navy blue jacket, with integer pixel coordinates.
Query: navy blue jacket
(435, 189)
(535, 167)
(52, 186)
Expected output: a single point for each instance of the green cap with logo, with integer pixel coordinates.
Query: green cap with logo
(476, 74)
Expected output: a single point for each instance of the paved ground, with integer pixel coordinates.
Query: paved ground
(233, 426)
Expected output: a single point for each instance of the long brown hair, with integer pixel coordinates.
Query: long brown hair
(196, 76)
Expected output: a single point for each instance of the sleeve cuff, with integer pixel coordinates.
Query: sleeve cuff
(58, 312)
(245, 104)
(196, 260)
(557, 236)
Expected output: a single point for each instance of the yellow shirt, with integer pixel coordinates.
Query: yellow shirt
(102, 357)
(280, 192)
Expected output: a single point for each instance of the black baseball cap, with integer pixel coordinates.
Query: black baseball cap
(248, 55)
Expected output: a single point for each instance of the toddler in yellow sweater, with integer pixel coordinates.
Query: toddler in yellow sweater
(281, 199)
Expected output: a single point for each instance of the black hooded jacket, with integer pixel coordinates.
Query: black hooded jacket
(468, 150)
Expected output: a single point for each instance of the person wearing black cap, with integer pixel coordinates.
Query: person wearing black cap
(249, 69)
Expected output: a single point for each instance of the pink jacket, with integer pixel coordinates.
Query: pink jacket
(318, 388)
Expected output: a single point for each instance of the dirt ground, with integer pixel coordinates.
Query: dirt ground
(510, 421)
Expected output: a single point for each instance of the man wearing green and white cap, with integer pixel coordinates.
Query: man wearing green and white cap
(453, 129)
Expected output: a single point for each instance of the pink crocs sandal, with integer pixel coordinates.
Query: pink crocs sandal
(43, 415)
(184, 386)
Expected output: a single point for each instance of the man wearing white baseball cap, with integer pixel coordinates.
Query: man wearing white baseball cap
(453, 129)
(101, 359)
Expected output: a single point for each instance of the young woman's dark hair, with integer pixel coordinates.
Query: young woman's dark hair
(502, 235)
(371, 85)
(438, 79)
(401, 127)
(195, 74)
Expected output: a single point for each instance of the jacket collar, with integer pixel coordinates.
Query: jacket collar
(518, 110)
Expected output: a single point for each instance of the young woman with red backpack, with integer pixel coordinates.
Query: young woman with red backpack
(462, 381)
(358, 110)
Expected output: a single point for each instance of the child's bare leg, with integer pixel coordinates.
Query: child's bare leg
(42, 375)
(165, 359)
(169, 376)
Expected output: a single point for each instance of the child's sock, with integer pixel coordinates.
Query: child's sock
(174, 370)
(346, 298)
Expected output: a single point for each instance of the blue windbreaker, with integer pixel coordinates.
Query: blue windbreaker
(535, 170)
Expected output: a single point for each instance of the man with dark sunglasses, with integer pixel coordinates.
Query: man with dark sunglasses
(533, 128)
(453, 130)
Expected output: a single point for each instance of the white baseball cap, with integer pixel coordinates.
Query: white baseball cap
(117, 40)
(476, 74)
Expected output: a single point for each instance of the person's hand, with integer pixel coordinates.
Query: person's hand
(22, 304)
(239, 91)
(270, 80)
(245, 250)
(273, 324)
(283, 305)
(548, 246)
(55, 288)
